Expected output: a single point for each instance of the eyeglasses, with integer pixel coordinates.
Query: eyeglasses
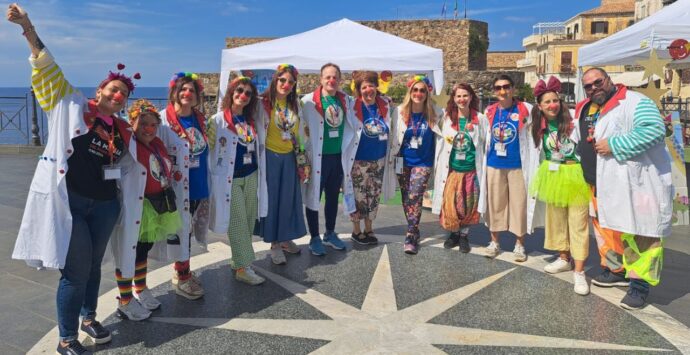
(598, 83)
(504, 87)
(286, 80)
(241, 91)
(420, 90)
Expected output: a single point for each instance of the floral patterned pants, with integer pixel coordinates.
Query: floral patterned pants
(367, 179)
(413, 182)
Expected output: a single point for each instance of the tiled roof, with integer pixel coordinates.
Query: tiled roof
(612, 7)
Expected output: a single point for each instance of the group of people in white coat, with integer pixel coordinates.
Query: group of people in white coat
(263, 162)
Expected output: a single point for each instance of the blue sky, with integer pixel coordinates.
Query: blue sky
(158, 38)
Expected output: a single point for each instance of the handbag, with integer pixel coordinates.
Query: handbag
(164, 201)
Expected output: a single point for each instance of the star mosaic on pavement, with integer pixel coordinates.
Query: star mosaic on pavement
(379, 326)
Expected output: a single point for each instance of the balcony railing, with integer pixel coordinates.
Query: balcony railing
(526, 62)
(567, 68)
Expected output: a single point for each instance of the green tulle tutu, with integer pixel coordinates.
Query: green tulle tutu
(562, 188)
(155, 227)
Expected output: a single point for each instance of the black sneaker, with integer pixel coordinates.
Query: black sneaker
(452, 241)
(74, 347)
(370, 238)
(610, 279)
(96, 332)
(636, 297)
(464, 243)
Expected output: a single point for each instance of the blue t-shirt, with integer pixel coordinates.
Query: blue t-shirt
(423, 155)
(505, 130)
(374, 139)
(198, 159)
(242, 169)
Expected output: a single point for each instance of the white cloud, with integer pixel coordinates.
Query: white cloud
(235, 7)
(520, 19)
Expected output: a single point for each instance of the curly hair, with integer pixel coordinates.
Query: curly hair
(362, 76)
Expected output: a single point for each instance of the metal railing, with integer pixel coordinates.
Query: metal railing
(682, 106)
(23, 121)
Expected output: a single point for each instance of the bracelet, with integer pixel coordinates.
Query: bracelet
(29, 30)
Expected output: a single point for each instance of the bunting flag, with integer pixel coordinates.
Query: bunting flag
(455, 12)
(443, 10)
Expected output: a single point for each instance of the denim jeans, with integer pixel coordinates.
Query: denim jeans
(77, 294)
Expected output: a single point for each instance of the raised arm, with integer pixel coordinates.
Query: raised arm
(17, 15)
(47, 79)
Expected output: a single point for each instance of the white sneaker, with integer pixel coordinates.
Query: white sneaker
(492, 250)
(277, 255)
(145, 297)
(133, 311)
(189, 289)
(175, 278)
(519, 253)
(581, 286)
(248, 276)
(557, 266)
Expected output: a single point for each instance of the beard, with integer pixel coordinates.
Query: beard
(600, 96)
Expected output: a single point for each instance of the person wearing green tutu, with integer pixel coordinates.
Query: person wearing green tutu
(558, 182)
(159, 216)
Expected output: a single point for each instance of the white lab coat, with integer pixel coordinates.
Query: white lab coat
(525, 139)
(388, 171)
(222, 167)
(442, 165)
(46, 228)
(314, 121)
(398, 132)
(633, 196)
(178, 149)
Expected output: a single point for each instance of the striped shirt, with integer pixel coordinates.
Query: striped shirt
(49, 84)
(648, 129)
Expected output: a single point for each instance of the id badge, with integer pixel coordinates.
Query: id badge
(399, 165)
(459, 156)
(285, 136)
(557, 156)
(501, 150)
(553, 166)
(250, 147)
(333, 134)
(383, 137)
(414, 144)
(247, 159)
(111, 172)
(194, 162)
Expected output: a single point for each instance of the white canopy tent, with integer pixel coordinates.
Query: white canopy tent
(636, 42)
(349, 44)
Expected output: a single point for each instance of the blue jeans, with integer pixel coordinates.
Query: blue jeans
(77, 294)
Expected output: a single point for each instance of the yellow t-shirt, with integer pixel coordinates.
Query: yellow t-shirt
(288, 121)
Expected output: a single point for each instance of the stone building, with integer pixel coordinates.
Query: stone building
(552, 48)
(503, 60)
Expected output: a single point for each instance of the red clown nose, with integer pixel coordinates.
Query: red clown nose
(150, 129)
(553, 106)
(186, 95)
(119, 97)
(331, 82)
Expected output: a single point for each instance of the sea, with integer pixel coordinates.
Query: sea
(16, 111)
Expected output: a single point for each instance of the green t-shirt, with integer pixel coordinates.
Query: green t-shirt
(334, 124)
(463, 153)
(565, 147)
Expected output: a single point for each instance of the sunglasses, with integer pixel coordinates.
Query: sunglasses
(504, 87)
(598, 83)
(286, 80)
(420, 90)
(243, 91)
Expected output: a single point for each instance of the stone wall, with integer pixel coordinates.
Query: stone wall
(464, 42)
(234, 42)
(503, 60)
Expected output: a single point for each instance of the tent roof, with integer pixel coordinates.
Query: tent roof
(349, 44)
(628, 46)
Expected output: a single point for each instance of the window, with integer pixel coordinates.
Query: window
(566, 62)
(600, 27)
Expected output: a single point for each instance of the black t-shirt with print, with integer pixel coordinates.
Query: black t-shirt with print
(85, 174)
(588, 157)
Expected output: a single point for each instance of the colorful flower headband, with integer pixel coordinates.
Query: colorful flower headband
(420, 78)
(142, 109)
(120, 77)
(192, 76)
(289, 67)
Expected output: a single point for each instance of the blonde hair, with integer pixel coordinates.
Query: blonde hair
(428, 111)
